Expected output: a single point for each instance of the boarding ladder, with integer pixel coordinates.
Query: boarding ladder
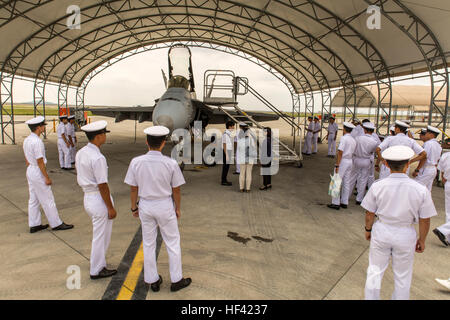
(240, 86)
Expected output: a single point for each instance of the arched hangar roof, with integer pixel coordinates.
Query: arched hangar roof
(314, 44)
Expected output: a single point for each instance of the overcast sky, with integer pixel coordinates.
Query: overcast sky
(138, 80)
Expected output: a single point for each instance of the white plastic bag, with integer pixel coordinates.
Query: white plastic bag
(335, 185)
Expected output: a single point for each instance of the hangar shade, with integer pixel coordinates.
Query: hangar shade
(314, 44)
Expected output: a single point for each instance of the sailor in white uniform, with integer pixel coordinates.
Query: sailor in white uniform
(39, 183)
(92, 176)
(317, 127)
(358, 131)
(428, 172)
(156, 180)
(63, 144)
(343, 167)
(73, 138)
(443, 232)
(366, 146)
(408, 131)
(371, 178)
(400, 139)
(400, 203)
(333, 129)
(307, 147)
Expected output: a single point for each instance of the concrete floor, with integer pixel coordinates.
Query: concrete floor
(305, 250)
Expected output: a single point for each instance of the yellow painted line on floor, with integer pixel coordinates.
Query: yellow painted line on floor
(128, 286)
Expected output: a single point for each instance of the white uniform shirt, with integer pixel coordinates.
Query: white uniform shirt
(444, 165)
(62, 129)
(400, 201)
(433, 150)
(155, 175)
(226, 139)
(376, 138)
(316, 127)
(358, 131)
(401, 139)
(34, 149)
(347, 145)
(310, 127)
(92, 168)
(365, 146)
(333, 129)
(71, 130)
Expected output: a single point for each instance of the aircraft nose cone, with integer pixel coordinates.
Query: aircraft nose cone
(166, 121)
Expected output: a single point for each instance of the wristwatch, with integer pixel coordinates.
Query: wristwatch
(368, 230)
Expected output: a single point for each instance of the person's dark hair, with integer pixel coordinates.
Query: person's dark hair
(229, 124)
(397, 165)
(91, 135)
(402, 129)
(33, 127)
(365, 120)
(349, 130)
(155, 142)
(268, 131)
(369, 130)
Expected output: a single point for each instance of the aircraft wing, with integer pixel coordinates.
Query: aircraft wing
(139, 113)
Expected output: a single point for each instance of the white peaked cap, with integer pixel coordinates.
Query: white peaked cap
(36, 120)
(71, 117)
(398, 153)
(433, 129)
(157, 131)
(369, 125)
(401, 124)
(423, 131)
(349, 125)
(392, 128)
(95, 126)
(407, 121)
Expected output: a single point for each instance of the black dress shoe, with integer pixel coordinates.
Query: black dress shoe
(248, 191)
(63, 226)
(105, 273)
(358, 203)
(155, 285)
(236, 173)
(441, 237)
(333, 206)
(183, 283)
(226, 183)
(70, 169)
(343, 206)
(38, 228)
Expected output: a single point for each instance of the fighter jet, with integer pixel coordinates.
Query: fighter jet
(178, 108)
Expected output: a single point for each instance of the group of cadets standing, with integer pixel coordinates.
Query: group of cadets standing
(395, 201)
(154, 179)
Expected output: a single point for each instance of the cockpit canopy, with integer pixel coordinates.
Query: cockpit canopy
(178, 82)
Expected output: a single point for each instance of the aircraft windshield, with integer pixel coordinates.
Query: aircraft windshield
(179, 59)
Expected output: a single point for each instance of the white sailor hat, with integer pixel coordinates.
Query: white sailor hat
(63, 116)
(407, 121)
(349, 125)
(392, 129)
(96, 126)
(369, 125)
(38, 120)
(433, 129)
(423, 131)
(157, 131)
(398, 153)
(71, 117)
(401, 124)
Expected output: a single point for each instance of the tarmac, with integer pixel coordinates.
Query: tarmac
(283, 243)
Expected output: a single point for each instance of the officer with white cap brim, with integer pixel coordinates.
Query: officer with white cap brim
(92, 176)
(64, 144)
(156, 180)
(316, 130)
(333, 130)
(307, 147)
(400, 203)
(426, 174)
(363, 159)
(39, 182)
(400, 139)
(343, 167)
(72, 137)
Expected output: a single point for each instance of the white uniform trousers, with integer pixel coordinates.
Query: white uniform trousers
(101, 230)
(64, 154)
(371, 178)
(307, 147)
(426, 176)
(360, 176)
(331, 144)
(245, 177)
(345, 170)
(445, 228)
(73, 152)
(40, 195)
(154, 213)
(391, 241)
(314, 142)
